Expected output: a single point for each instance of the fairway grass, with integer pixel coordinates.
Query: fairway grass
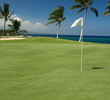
(49, 69)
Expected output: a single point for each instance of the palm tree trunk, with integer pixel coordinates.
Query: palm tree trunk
(58, 30)
(85, 17)
(15, 33)
(4, 28)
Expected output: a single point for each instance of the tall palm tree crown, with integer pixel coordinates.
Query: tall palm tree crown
(107, 9)
(15, 25)
(84, 5)
(57, 16)
(5, 13)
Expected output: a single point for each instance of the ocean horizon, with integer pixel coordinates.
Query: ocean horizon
(86, 38)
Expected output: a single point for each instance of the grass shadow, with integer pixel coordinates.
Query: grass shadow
(97, 68)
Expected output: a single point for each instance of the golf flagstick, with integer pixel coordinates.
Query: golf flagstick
(80, 22)
(81, 40)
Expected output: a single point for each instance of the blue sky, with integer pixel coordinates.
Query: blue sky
(33, 15)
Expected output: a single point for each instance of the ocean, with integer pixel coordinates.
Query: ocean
(94, 39)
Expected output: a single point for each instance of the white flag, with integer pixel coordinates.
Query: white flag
(78, 22)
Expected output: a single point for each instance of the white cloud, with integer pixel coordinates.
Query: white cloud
(16, 17)
(26, 24)
(38, 24)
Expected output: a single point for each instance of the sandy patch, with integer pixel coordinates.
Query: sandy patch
(11, 38)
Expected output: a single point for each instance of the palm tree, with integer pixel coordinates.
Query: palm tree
(5, 13)
(24, 32)
(107, 9)
(15, 25)
(57, 16)
(84, 5)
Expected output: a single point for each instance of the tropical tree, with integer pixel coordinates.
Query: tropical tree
(15, 25)
(5, 13)
(57, 16)
(24, 32)
(84, 5)
(107, 9)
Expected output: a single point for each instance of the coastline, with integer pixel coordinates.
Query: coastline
(15, 38)
(93, 39)
(86, 38)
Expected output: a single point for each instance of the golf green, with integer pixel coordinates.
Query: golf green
(49, 69)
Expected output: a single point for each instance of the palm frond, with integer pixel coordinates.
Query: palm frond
(76, 6)
(106, 13)
(60, 8)
(10, 26)
(6, 9)
(51, 22)
(87, 1)
(90, 2)
(95, 11)
(79, 1)
(108, 2)
(10, 14)
(57, 15)
(23, 31)
(11, 20)
(57, 23)
(58, 12)
(108, 8)
(63, 18)
(52, 18)
(80, 11)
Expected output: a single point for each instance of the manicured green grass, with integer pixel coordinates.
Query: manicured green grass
(49, 69)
